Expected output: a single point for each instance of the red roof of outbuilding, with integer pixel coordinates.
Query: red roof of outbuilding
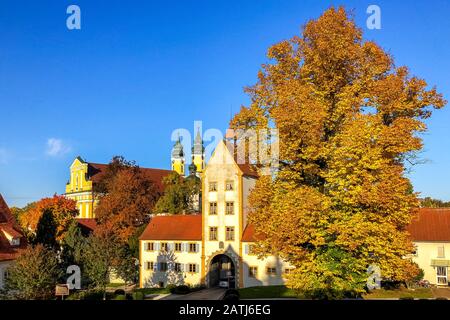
(174, 227)
(431, 224)
(8, 225)
(88, 224)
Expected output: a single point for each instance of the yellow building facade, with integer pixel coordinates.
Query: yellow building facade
(80, 186)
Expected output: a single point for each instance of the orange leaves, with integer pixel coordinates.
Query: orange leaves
(63, 209)
(347, 121)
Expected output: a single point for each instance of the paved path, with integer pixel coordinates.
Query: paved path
(205, 294)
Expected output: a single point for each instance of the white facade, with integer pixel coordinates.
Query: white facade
(222, 255)
(433, 258)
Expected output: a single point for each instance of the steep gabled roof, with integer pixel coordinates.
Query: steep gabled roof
(9, 227)
(97, 170)
(174, 227)
(431, 224)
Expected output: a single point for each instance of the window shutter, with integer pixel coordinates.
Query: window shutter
(182, 267)
(246, 249)
(157, 246)
(183, 247)
(197, 268)
(197, 247)
(169, 246)
(155, 266)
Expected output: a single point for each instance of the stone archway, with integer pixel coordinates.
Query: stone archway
(221, 269)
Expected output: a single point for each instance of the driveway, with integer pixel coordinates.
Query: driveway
(204, 294)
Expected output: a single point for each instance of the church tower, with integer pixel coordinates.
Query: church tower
(198, 154)
(178, 158)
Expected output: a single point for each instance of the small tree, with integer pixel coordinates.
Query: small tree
(99, 257)
(34, 274)
(46, 230)
(179, 194)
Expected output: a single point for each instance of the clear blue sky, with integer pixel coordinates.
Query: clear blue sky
(137, 70)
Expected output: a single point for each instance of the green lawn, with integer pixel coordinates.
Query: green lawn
(266, 292)
(153, 290)
(420, 293)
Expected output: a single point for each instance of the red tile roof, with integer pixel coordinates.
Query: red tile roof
(431, 224)
(248, 170)
(174, 227)
(9, 226)
(87, 225)
(249, 234)
(97, 170)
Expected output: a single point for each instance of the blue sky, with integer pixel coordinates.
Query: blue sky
(137, 70)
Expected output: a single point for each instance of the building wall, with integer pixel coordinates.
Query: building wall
(220, 170)
(80, 189)
(428, 251)
(152, 278)
(262, 277)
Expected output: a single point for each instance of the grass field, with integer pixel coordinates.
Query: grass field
(266, 292)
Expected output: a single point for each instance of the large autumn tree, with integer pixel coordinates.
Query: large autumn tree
(36, 215)
(126, 196)
(348, 120)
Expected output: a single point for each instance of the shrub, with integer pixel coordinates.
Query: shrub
(119, 292)
(138, 295)
(120, 297)
(231, 297)
(406, 297)
(441, 298)
(232, 291)
(183, 289)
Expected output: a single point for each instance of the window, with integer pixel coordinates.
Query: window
(229, 209)
(441, 273)
(213, 186)
(150, 246)
(192, 247)
(415, 252)
(212, 233)
(177, 246)
(229, 185)
(229, 233)
(163, 266)
(252, 272)
(271, 271)
(149, 265)
(213, 208)
(15, 242)
(164, 246)
(192, 267)
(441, 252)
(177, 267)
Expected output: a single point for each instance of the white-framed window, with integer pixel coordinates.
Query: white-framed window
(212, 186)
(164, 246)
(441, 274)
(150, 246)
(149, 265)
(213, 208)
(213, 234)
(192, 247)
(177, 267)
(163, 266)
(229, 233)
(271, 271)
(252, 272)
(178, 246)
(229, 185)
(229, 207)
(192, 268)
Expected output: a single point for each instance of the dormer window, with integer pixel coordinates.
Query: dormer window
(15, 242)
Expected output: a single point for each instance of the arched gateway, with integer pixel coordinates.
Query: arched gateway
(222, 272)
